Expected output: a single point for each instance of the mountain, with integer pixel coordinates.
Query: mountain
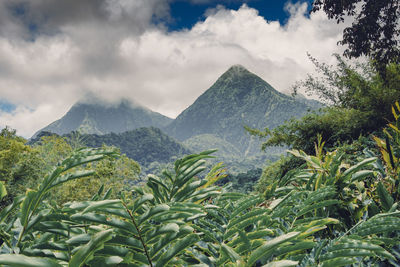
(98, 117)
(236, 99)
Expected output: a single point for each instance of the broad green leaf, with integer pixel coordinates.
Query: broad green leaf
(101, 204)
(27, 206)
(106, 261)
(297, 246)
(358, 166)
(102, 219)
(126, 241)
(156, 250)
(141, 258)
(315, 223)
(177, 248)
(337, 262)
(10, 208)
(270, 245)
(244, 238)
(71, 176)
(203, 194)
(246, 203)
(113, 260)
(51, 245)
(282, 263)
(245, 216)
(108, 249)
(168, 228)
(19, 260)
(185, 192)
(243, 224)
(317, 205)
(360, 175)
(79, 239)
(252, 236)
(233, 256)
(85, 253)
(138, 203)
(157, 180)
(356, 252)
(385, 197)
(3, 191)
(152, 212)
(362, 245)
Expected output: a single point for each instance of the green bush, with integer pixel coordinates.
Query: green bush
(335, 125)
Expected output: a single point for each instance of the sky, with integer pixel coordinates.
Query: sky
(162, 54)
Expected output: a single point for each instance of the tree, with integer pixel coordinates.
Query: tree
(19, 164)
(375, 31)
(355, 86)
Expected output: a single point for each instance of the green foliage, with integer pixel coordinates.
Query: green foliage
(374, 31)
(276, 171)
(242, 182)
(356, 86)
(115, 174)
(389, 166)
(335, 125)
(19, 165)
(3, 191)
(179, 219)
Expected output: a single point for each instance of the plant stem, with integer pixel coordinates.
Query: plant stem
(139, 234)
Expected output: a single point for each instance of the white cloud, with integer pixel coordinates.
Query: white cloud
(118, 52)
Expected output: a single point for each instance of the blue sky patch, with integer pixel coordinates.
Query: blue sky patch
(186, 14)
(6, 106)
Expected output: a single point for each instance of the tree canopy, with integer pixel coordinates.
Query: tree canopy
(375, 31)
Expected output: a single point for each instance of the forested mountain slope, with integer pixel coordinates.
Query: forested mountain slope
(144, 145)
(238, 98)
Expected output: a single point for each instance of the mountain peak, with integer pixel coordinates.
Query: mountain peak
(97, 116)
(236, 70)
(239, 97)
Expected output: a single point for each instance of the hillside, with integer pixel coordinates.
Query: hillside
(144, 145)
(236, 99)
(206, 141)
(98, 117)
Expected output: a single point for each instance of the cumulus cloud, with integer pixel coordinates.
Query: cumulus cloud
(55, 52)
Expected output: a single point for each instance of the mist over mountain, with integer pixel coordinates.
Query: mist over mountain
(215, 120)
(98, 117)
(238, 98)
